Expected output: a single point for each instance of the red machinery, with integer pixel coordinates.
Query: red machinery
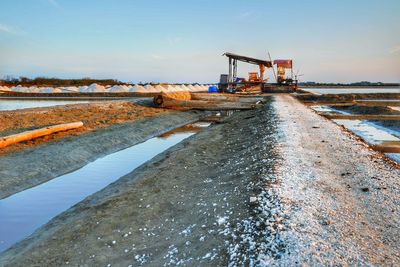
(282, 65)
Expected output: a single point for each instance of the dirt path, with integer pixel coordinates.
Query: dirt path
(189, 206)
(34, 165)
(342, 197)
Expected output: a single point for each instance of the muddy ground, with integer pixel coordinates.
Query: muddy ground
(93, 115)
(36, 164)
(189, 205)
(276, 186)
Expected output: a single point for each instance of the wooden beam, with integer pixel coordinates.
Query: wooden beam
(331, 104)
(388, 147)
(226, 97)
(29, 135)
(360, 117)
(384, 103)
(166, 102)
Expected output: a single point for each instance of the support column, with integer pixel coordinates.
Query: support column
(230, 71)
(234, 69)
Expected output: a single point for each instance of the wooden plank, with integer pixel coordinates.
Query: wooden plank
(207, 105)
(388, 147)
(331, 104)
(166, 102)
(28, 135)
(385, 103)
(225, 97)
(360, 117)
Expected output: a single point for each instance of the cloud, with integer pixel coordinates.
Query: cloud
(395, 50)
(174, 40)
(9, 29)
(158, 57)
(245, 15)
(54, 3)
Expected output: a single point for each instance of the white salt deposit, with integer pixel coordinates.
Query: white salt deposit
(48, 90)
(150, 89)
(95, 88)
(184, 88)
(158, 89)
(33, 89)
(171, 88)
(72, 89)
(198, 88)
(118, 88)
(191, 88)
(138, 89)
(83, 88)
(18, 88)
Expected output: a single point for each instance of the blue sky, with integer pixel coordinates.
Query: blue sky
(182, 41)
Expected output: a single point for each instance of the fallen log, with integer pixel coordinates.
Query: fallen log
(330, 104)
(360, 117)
(388, 147)
(166, 102)
(29, 135)
(378, 103)
(224, 97)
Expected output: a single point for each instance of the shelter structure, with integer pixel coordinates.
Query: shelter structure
(231, 82)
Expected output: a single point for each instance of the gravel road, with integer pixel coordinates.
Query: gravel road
(342, 197)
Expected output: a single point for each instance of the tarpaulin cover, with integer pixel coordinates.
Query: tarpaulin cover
(284, 63)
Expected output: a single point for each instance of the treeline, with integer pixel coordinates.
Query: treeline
(55, 82)
(358, 84)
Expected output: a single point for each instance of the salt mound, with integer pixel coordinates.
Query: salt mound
(118, 88)
(71, 89)
(95, 88)
(5, 88)
(198, 88)
(18, 88)
(46, 90)
(191, 88)
(138, 89)
(83, 89)
(184, 88)
(171, 88)
(158, 89)
(33, 89)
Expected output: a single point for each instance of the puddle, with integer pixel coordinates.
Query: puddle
(22, 213)
(20, 104)
(369, 133)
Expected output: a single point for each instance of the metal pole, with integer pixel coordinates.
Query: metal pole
(230, 71)
(276, 80)
(234, 69)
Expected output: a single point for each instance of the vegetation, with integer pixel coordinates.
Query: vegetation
(55, 82)
(362, 83)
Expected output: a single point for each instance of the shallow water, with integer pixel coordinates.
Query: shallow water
(353, 90)
(369, 133)
(22, 213)
(8, 104)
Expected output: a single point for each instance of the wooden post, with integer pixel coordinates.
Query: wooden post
(28, 135)
(361, 117)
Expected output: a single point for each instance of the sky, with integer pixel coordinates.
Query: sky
(183, 40)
